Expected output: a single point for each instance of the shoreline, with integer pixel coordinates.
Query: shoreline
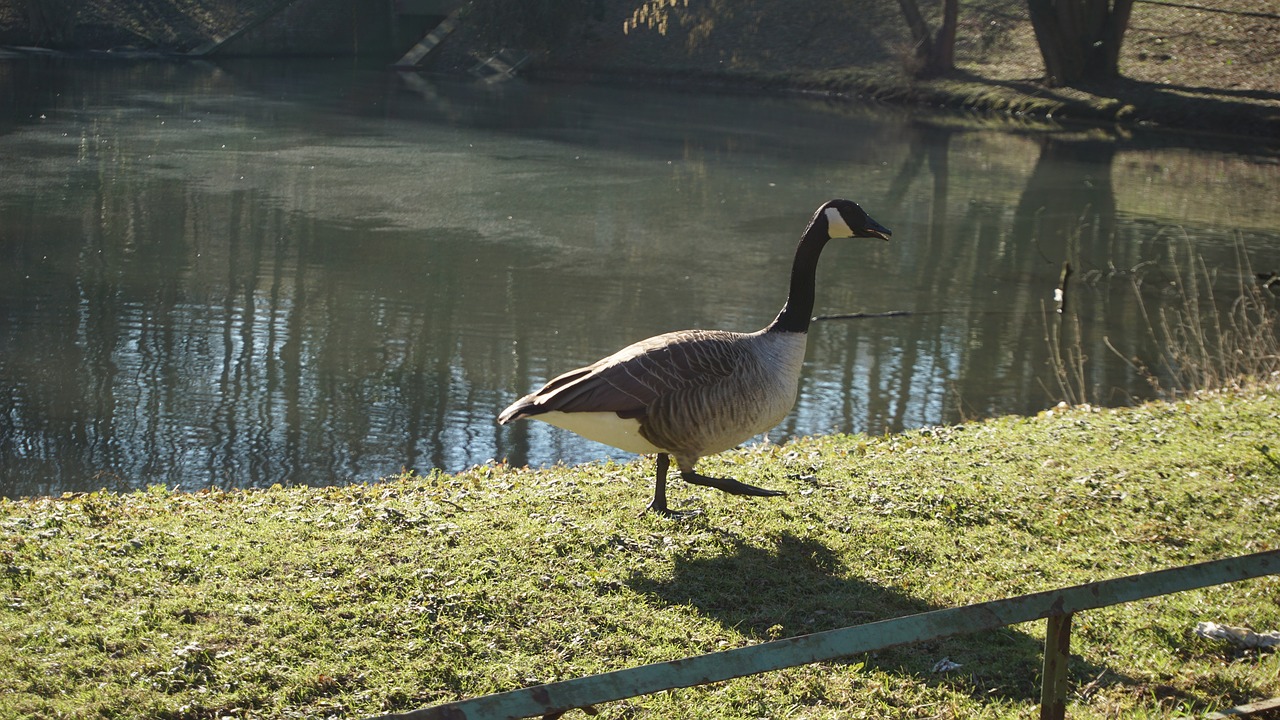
(963, 92)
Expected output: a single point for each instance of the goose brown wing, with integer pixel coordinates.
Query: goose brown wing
(632, 379)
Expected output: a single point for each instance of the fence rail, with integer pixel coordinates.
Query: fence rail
(1055, 606)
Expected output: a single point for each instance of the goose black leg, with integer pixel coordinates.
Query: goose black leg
(729, 485)
(659, 502)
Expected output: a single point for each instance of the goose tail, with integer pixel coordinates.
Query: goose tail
(518, 410)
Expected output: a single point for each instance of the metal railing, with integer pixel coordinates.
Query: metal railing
(1055, 606)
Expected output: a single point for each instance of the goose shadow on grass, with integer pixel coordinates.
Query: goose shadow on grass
(798, 586)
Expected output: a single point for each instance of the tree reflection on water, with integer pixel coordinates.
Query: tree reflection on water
(232, 278)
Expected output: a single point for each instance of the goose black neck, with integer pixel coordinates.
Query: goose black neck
(798, 310)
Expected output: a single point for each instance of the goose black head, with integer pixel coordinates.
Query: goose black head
(845, 219)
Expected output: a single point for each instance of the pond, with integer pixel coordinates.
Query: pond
(262, 272)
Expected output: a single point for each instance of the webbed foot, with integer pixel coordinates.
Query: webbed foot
(668, 513)
(729, 485)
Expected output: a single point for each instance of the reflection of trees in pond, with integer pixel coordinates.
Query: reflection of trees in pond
(933, 145)
(983, 275)
(1066, 216)
(253, 332)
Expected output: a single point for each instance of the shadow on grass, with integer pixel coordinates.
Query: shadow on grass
(795, 586)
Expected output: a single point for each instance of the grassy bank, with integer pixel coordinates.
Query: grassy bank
(351, 601)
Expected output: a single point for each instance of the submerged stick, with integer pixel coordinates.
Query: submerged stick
(867, 315)
(1060, 295)
(906, 313)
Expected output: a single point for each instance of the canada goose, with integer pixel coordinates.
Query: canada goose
(694, 393)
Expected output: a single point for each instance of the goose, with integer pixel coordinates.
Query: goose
(694, 393)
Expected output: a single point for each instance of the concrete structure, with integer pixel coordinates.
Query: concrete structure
(336, 28)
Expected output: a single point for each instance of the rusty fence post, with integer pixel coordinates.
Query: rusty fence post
(1057, 648)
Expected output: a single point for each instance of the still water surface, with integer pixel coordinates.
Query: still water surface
(266, 272)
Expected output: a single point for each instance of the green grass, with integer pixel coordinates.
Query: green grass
(353, 601)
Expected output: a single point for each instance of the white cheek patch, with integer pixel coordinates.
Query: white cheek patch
(836, 226)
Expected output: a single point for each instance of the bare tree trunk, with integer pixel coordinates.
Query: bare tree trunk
(944, 45)
(52, 22)
(932, 55)
(1080, 39)
(920, 33)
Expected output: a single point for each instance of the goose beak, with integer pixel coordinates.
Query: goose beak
(875, 229)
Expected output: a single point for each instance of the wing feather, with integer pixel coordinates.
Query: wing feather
(631, 380)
